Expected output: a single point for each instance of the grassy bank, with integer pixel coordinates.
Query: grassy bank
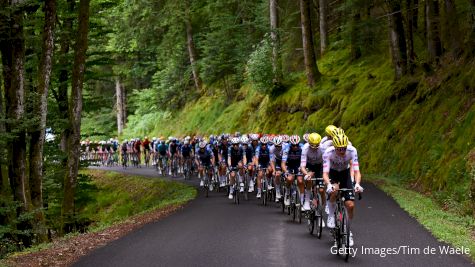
(445, 224)
(108, 199)
(119, 196)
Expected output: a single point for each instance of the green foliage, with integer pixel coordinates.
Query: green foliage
(259, 67)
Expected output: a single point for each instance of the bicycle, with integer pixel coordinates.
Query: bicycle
(163, 165)
(295, 206)
(124, 160)
(236, 187)
(187, 168)
(341, 232)
(207, 180)
(315, 215)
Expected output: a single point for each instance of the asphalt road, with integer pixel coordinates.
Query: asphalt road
(215, 232)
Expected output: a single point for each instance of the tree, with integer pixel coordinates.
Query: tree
(75, 109)
(191, 47)
(397, 39)
(120, 105)
(323, 15)
(451, 29)
(311, 68)
(411, 25)
(37, 133)
(274, 35)
(434, 45)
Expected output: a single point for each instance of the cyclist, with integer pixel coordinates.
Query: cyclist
(173, 152)
(137, 145)
(263, 159)
(223, 149)
(329, 133)
(291, 165)
(249, 158)
(123, 149)
(236, 160)
(186, 149)
(336, 174)
(146, 148)
(162, 150)
(204, 158)
(311, 165)
(276, 156)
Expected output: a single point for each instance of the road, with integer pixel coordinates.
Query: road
(215, 232)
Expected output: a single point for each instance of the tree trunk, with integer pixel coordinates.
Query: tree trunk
(434, 45)
(311, 68)
(41, 109)
(355, 46)
(323, 15)
(121, 110)
(75, 109)
(5, 51)
(451, 29)
(410, 35)
(397, 39)
(415, 14)
(62, 95)
(274, 35)
(15, 108)
(191, 48)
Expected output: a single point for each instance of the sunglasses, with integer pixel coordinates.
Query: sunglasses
(314, 146)
(340, 149)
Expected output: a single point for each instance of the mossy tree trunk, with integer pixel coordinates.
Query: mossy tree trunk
(191, 47)
(397, 39)
(37, 132)
(75, 110)
(311, 67)
(434, 46)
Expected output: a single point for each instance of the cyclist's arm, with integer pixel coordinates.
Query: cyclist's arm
(284, 160)
(303, 160)
(326, 168)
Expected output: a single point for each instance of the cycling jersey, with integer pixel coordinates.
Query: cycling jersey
(124, 148)
(173, 148)
(263, 156)
(186, 150)
(235, 155)
(162, 149)
(312, 159)
(292, 158)
(146, 144)
(333, 161)
(223, 150)
(249, 154)
(276, 152)
(137, 145)
(204, 156)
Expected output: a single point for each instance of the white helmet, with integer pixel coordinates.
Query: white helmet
(202, 144)
(235, 140)
(277, 140)
(244, 140)
(305, 137)
(186, 142)
(294, 139)
(254, 137)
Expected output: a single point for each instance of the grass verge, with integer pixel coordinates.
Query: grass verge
(446, 225)
(114, 204)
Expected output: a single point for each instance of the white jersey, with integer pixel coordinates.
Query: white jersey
(311, 155)
(332, 161)
(324, 139)
(328, 143)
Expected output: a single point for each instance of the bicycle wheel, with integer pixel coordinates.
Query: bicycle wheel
(319, 215)
(264, 192)
(311, 222)
(345, 234)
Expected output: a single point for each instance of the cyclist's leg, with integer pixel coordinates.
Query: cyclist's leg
(278, 195)
(232, 177)
(260, 175)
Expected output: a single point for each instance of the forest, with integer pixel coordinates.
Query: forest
(395, 73)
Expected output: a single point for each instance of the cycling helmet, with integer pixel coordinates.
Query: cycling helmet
(329, 129)
(294, 139)
(337, 131)
(202, 144)
(340, 140)
(125, 141)
(305, 137)
(314, 139)
(187, 137)
(277, 140)
(146, 137)
(154, 139)
(285, 138)
(254, 137)
(244, 139)
(235, 141)
(264, 140)
(186, 142)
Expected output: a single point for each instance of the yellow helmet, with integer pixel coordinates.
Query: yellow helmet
(337, 131)
(340, 140)
(314, 139)
(330, 129)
